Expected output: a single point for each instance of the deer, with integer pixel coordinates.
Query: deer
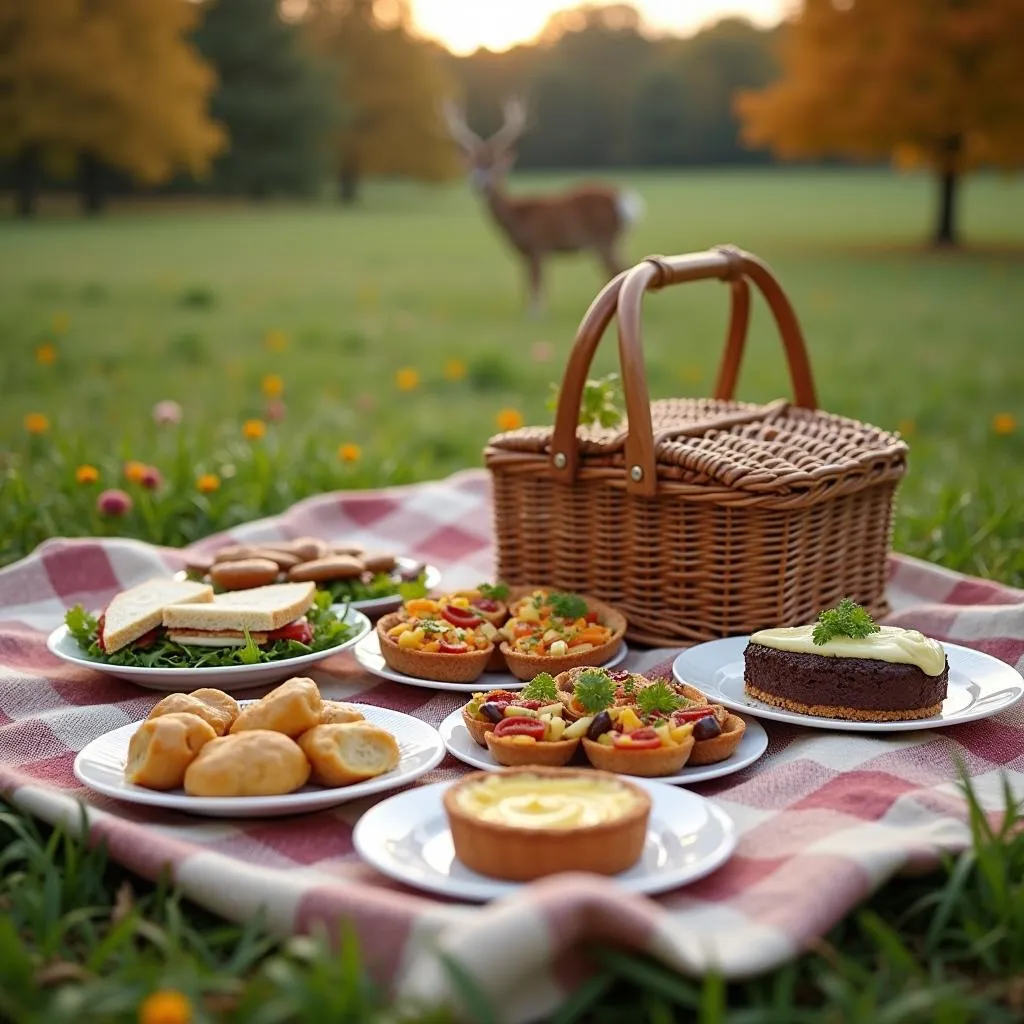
(588, 217)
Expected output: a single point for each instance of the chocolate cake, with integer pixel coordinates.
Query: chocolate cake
(890, 675)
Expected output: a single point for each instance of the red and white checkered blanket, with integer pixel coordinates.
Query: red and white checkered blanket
(824, 818)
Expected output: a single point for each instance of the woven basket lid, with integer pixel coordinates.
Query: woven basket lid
(776, 448)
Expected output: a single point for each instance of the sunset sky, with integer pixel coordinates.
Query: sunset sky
(464, 25)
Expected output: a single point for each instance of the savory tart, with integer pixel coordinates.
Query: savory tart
(486, 600)
(524, 823)
(626, 685)
(845, 666)
(550, 631)
(433, 648)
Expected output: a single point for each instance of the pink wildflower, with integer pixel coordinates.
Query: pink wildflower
(114, 502)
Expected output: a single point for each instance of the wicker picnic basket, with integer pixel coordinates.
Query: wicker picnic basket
(698, 518)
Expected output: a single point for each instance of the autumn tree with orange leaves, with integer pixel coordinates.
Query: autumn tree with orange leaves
(933, 83)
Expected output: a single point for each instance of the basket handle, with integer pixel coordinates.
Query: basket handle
(624, 295)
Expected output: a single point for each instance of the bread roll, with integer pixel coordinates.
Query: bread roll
(220, 700)
(352, 752)
(291, 708)
(161, 749)
(254, 763)
(336, 712)
(189, 704)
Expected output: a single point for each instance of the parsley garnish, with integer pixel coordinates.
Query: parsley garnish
(595, 691)
(567, 606)
(847, 619)
(541, 687)
(496, 592)
(657, 697)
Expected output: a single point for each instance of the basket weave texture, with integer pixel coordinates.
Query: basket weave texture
(698, 518)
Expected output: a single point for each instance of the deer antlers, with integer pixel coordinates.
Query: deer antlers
(514, 110)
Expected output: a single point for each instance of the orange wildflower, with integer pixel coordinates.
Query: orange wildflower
(454, 369)
(167, 1006)
(509, 419)
(208, 483)
(273, 386)
(37, 423)
(135, 471)
(1004, 423)
(253, 430)
(46, 354)
(86, 474)
(349, 453)
(407, 379)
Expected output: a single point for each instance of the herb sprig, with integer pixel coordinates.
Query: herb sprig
(541, 687)
(567, 606)
(847, 619)
(658, 697)
(594, 690)
(494, 591)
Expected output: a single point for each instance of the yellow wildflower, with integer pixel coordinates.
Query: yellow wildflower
(276, 340)
(1004, 423)
(87, 474)
(167, 1006)
(454, 369)
(349, 453)
(253, 430)
(46, 354)
(208, 483)
(60, 323)
(509, 419)
(273, 386)
(135, 471)
(37, 423)
(407, 379)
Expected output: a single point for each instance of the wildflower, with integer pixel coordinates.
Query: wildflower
(37, 423)
(509, 419)
(46, 354)
(114, 503)
(167, 1006)
(275, 410)
(541, 352)
(60, 323)
(907, 427)
(407, 379)
(273, 386)
(276, 340)
(87, 474)
(253, 430)
(166, 413)
(1004, 423)
(454, 369)
(349, 453)
(151, 479)
(208, 483)
(135, 471)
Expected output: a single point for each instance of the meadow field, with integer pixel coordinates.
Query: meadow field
(313, 348)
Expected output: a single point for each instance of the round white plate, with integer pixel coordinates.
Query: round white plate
(100, 766)
(754, 743)
(228, 677)
(979, 686)
(379, 605)
(407, 837)
(368, 655)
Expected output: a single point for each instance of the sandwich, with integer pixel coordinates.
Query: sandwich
(134, 614)
(264, 614)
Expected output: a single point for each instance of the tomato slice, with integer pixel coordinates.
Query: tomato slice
(453, 648)
(147, 639)
(501, 695)
(642, 739)
(100, 623)
(533, 705)
(301, 631)
(462, 617)
(485, 604)
(520, 726)
(590, 617)
(692, 714)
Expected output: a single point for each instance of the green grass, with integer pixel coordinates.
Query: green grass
(177, 303)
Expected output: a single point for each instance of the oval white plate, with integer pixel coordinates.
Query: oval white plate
(979, 686)
(100, 766)
(226, 677)
(407, 838)
(754, 743)
(368, 655)
(379, 605)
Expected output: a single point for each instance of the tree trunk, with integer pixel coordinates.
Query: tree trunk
(348, 183)
(946, 234)
(26, 181)
(90, 184)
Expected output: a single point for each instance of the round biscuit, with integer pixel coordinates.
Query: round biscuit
(252, 572)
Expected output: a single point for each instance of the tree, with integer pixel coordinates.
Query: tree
(934, 82)
(392, 85)
(275, 100)
(110, 82)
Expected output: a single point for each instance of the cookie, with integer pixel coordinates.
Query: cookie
(379, 561)
(307, 548)
(284, 559)
(161, 750)
(356, 550)
(330, 567)
(186, 703)
(241, 575)
(291, 708)
(256, 763)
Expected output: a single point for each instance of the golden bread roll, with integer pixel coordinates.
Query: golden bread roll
(220, 700)
(352, 752)
(254, 763)
(291, 708)
(162, 748)
(189, 704)
(337, 712)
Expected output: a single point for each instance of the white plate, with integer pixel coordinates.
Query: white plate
(379, 605)
(100, 766)
(227, 677)
(368, 655)
(754, 743)
(979, 686)
(407, 837)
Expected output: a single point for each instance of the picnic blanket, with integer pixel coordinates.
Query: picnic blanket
(823, 817)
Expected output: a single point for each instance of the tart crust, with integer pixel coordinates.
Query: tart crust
(524, 854)
(647, 764)
(446, 668)
(720, 747)
(831, 711)
(552, 754)
(476, 728)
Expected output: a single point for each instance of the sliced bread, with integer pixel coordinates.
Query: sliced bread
(134, 612)
(260, 609)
